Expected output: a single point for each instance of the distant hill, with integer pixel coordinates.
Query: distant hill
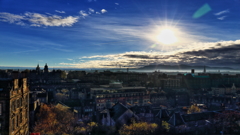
(175, 67)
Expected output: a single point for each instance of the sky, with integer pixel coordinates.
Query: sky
(119, 33)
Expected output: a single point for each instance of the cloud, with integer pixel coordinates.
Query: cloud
(55, 20)
(11, 18)
(38, 20)
(222, 18)
(117, 3)
(92, 0)
(83, 13)
(222, 12)
(103, 10)
(98, 13)
(62, 12)
(211, 53)
(91, 10)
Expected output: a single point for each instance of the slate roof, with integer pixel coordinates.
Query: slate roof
(197, 116)
(141, 109)
(163, 114)
(176, 120)
(73, 103)
(117, 110)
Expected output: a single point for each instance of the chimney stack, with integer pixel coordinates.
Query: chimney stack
(192, 71)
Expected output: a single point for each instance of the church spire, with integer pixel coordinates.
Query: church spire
(204, 70)
(46, 68)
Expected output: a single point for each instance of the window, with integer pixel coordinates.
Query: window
(0, 108)
(20, 117)
(13, 124)
(17, 121)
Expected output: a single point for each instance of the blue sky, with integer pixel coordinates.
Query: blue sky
(113, 33)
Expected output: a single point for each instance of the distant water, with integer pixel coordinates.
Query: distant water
(172, 71)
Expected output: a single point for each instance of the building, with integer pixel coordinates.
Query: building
(14, 106)
(106, 96)
(44, 76)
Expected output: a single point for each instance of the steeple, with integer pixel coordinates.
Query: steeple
(38, 68)
(46, 68)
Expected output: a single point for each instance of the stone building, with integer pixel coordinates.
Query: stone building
(44, 76)
(14, 106)
(107, 96)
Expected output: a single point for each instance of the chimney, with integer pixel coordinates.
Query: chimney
(192, 71)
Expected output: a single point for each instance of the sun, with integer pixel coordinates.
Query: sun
(167, 37)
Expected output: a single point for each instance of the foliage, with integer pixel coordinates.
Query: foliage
(75, 74)
(228, 121)
(56, 120)
(166, 125)
(60, 97)
(193, 109)
(141, 128)
(63, 74)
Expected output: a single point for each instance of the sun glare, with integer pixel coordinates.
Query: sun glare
(167, 37)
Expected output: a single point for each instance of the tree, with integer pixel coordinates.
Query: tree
(228, 122)
(46, 120)
(141, 128)
(60, 97)
(63, 74)
(165, 125)
(55, 120)
(193, 109)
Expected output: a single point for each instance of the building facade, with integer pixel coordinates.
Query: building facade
(107, 96)
(14, 107)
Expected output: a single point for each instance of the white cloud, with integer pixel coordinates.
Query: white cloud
(92, 0)
(222, 18)
(103, 10)
(91, 10)
(38, 20)
(117, 3)
(62, 12)
(11, 18)
(98, 13)
(83, 13)
(222, 12)
(55, 20)
(142, 58)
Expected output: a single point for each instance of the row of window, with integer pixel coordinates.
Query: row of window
(18, 103)
(119, 95)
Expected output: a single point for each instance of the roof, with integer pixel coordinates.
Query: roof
(163, 113)
(122, 88)
(118, 110)
(197, 116)
(73, 103)
(176, 120)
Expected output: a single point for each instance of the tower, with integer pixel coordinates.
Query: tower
(14, 106)
(46, 68)
(204, 70)
(38, 68)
